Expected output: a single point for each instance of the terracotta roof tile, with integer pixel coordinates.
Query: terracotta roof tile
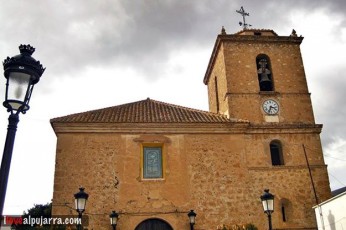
(145, 111)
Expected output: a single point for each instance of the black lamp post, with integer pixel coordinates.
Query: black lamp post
(268, 205)
(114, 219)
(22, 72)
(81, 198)
(192, 218)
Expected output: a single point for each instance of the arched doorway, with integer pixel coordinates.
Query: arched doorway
(153, 224)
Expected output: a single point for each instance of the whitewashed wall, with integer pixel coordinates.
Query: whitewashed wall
(333, 213)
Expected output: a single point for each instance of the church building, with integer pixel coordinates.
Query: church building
(152, 162)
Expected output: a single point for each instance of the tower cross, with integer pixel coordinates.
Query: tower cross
(243, 13)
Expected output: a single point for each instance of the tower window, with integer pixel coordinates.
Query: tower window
(276, 153)
(216, 95)
(264, 73)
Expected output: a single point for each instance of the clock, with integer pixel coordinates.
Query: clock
(270, 107)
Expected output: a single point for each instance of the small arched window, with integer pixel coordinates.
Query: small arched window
(264, 72)
(276, 153)
(286, 207)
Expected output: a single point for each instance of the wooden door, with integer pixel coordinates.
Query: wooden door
(153, 224)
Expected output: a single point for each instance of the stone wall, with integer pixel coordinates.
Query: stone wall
(220, 176)
(218, 73)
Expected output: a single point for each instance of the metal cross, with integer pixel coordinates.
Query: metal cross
(243, 13)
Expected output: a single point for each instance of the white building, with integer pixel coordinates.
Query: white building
(331, 214)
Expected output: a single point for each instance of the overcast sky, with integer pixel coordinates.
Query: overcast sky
(104, 53)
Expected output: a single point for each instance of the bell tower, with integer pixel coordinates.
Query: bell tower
(259, 76)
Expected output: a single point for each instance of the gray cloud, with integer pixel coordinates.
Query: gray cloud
(331, 101)
(74, 34)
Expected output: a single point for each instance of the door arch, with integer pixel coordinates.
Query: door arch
(153, 224)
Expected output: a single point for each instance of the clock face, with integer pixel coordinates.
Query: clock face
(270, 106)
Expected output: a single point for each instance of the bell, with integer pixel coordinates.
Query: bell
(264, 78)
(265, 83)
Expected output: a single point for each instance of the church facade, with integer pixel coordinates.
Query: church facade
(152, 162)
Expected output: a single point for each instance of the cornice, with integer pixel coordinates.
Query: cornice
(284, 128)
(268, 93)
(254, 38)
(284, 167)
(144, 128)
(186, 128)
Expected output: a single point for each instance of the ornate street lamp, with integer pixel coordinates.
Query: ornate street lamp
(114, 219)
(192, 218)
(81, 198)
(22, 72)
(268, 205)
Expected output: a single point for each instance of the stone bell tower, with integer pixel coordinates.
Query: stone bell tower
(259, 76)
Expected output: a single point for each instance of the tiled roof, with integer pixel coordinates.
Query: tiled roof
(339, 191)
(257, 30)
(145, 111)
